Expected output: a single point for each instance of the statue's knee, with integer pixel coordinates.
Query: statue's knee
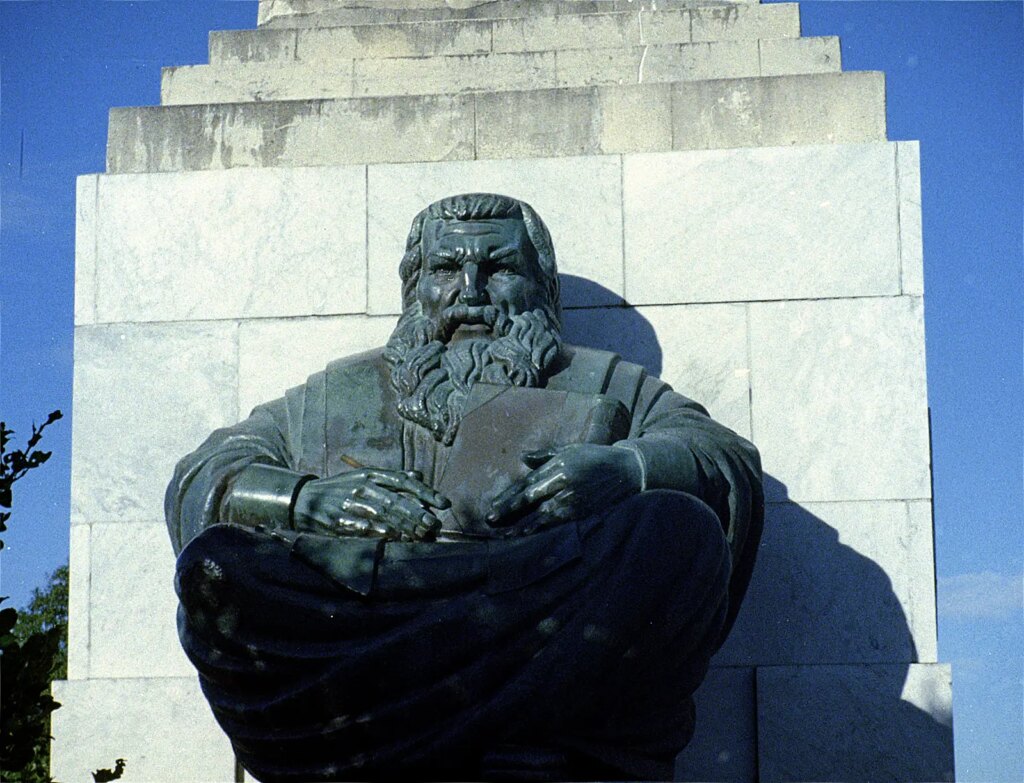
(206, 567)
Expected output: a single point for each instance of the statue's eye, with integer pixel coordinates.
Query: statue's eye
(443, 265)
(505, 271)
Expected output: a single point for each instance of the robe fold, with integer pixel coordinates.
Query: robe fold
(347, 659)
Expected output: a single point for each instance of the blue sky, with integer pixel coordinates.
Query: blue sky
(954, 81)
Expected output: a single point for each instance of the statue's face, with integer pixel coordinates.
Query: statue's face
(475, 263)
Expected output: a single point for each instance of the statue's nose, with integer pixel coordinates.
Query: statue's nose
(472, 292)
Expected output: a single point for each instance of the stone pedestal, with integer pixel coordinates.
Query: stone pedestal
(710, 178)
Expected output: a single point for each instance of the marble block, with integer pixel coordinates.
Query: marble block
(587, 241)
(235, 244)
(840, 407)
(533, 33)
(327, 13)
(835, 108)
(656, 64)
(724, 744)
(85, 249)
(642, 26)
(589, 121)
(242, 46)
(776, 223)
(421, 39)
(290, 133)
(908, 168)
(342, 78)
(163, 729)
(79, 579)
(816, 108)
(855, 723)
(276, 354)
(799, 55)
(133, 607)
(673, 343)
(738, 21)
(144, 396)
(839, 583)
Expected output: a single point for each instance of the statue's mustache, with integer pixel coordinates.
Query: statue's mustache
(462, 314)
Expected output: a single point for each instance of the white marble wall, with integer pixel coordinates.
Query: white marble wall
(781, 287)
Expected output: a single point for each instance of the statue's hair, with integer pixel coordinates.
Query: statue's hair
(481, 206)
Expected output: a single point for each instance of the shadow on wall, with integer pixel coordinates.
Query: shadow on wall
(814, 682)
(619, 329)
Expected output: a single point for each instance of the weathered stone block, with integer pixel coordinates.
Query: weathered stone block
(231, 244)
(422, 75)
(235, 46)
(800, 55)
(869, 442)
(839, 583)
(162, 727)
(145, 395)
(85, 249)
(800, 222)
(260, 82)
(637, 119)
(739, 21)
(908, 168)
(655, 64)
(632, 26)
(588, 242)
(577, 67)
(724, 745)
(533, 33)
(327, 13)
(425, 39)
(132, 630)
(672, 343)
(294, 133)
(855, 723)
(837, 108)
(79, 574)
(540, 123)
(276, 354)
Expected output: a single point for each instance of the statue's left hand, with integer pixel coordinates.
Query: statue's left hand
(568, 483)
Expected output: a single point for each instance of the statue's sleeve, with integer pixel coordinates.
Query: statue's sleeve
(683, 448)
(243, 473)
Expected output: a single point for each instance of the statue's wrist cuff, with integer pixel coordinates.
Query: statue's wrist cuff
(264, 495)
(639, 458)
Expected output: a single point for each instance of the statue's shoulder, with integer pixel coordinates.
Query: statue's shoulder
(309, 400)
(372, 358)
(592, 371)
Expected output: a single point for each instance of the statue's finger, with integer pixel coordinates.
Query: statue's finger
(560, 508)
(537, 458)
(545, 486)
(403, 482)
(507, 502)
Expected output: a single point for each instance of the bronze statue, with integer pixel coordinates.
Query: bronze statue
(475, 553)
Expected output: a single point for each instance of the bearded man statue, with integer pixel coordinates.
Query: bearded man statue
(379, 580)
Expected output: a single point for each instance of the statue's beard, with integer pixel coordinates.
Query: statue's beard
(432, 374)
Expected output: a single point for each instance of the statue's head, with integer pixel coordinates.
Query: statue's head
(479, 303)
(476, 250)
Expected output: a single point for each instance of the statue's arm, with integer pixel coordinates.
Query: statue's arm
(682, 448)
(242, 474)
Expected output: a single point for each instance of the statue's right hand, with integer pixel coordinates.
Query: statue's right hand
(370, 502)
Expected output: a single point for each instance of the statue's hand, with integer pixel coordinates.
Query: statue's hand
(391, 504)
(568, 483)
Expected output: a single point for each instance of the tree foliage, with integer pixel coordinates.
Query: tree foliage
(48, 609)
(14, 464)
(31, 654)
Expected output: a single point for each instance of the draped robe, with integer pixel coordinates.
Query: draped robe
(333, 659)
